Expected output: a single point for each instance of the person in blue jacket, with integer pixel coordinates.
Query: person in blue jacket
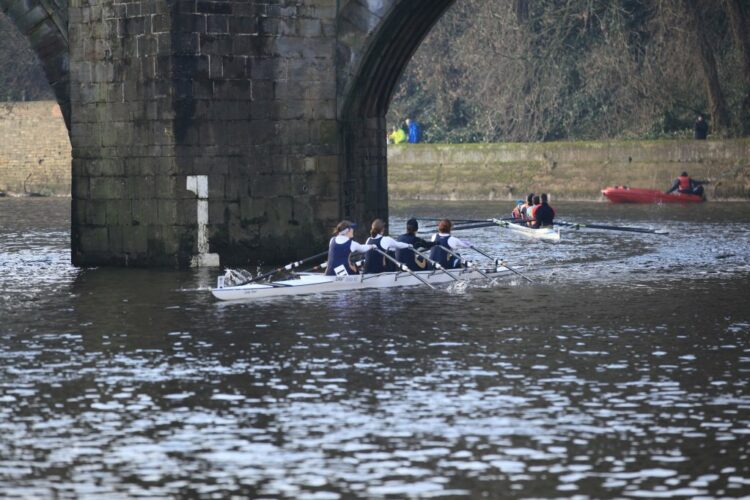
(414, 131)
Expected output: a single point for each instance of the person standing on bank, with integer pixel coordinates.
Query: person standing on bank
(407, 256)
(414, 131)
(443, 238)
(700, 129)
(341, 247)
(397, 136)
(376, 262)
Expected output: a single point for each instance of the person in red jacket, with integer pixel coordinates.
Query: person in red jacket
(685, 185)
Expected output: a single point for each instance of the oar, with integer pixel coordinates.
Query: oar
(436, 264)
(468, 222)
(288, 267)
(468, 264)
(576, 225)
(477, 225)
(403, 267)
(499, 262)
(493, 222)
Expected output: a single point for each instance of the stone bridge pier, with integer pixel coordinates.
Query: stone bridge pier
(280, 105)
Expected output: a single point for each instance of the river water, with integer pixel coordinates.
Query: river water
(622, 371)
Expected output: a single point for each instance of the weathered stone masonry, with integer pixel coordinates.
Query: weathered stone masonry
(34, 149)
(280, 103)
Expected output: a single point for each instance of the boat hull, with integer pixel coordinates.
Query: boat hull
(621, 194)
(548, 234)
(311, 283)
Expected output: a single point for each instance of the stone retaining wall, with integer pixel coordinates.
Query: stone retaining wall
(567, 170)
(35, 158)
(34, 149)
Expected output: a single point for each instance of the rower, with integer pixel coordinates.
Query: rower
(340, 250)
(527, 206)
(685, 185)
(408, 256)
(543, 214)
(376, 262)
(531, 210)
(444, 238)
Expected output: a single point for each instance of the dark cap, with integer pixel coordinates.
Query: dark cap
(345, 225)
(412, 223)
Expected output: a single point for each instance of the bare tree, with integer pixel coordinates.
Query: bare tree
(738, 22)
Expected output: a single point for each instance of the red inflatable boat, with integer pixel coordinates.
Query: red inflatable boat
(624, 194)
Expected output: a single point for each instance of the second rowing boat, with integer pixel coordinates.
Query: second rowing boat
(549, 234)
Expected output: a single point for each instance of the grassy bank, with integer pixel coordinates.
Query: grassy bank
(569, 170)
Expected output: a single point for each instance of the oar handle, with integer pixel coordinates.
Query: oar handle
(403, 267)
(500, 262)
(436, 264)
(288, 267)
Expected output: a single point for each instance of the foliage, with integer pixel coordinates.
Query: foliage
(564, 70)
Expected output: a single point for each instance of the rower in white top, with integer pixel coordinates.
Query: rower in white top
(377, 262)
(340, 250)
(443, 240)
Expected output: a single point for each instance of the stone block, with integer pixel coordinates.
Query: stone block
(166, 211)
(206, 7)
(233, 67)
(107, 188)
(217, 23)
(166, 186)
(185, 211)
(186, 44)
(115, 238)
(134, 239)
(189, 23)
(118, 213)
(143, 212)
(262, 90)
(243, 25)
(214, 44)
(93, 239)
(96, 213)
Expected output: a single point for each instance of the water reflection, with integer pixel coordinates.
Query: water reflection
(621, 372)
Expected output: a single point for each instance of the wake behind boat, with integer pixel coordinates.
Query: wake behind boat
(315, 283)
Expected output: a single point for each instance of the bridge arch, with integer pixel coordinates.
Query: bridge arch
(45, 24)
(376, 40)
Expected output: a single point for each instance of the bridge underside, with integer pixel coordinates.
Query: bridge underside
(279, 107)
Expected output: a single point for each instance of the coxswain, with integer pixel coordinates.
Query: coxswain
(516, 212)
(407, 255)
(443, 238)
(543, 214)
(685, 185)
(340, 249)
(376, 262)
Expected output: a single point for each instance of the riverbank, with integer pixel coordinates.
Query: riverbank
(35, 160)
(567, 170)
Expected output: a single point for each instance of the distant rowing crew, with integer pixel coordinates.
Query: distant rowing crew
(534, 212)
(385, 254)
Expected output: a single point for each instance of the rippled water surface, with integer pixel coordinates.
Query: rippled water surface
(622, 371)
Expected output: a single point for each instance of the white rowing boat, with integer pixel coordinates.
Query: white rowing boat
(549, 234)
(312, 283)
